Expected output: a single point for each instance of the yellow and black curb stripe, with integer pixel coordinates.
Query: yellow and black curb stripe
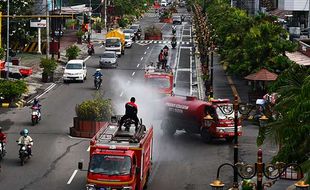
(20, 103)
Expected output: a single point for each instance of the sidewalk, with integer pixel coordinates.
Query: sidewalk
(225, 86)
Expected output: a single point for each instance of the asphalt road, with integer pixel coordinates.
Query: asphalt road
(181, 162)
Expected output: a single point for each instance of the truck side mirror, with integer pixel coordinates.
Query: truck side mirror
(174, 85)
(80, 165)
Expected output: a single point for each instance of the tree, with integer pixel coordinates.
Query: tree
(291, 130)
(20, 31)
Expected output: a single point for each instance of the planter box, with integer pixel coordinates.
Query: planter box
(47, 78)
(166, 20)
(147, 37)
(86, 129)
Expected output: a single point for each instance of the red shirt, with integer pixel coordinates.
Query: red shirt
(2, 137)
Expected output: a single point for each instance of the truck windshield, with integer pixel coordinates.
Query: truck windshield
(110, 164)
(74, 66)
(159, 82)
(113, 42)
(226, 111)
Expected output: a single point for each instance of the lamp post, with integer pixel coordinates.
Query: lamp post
(8, 39)
(260, 170)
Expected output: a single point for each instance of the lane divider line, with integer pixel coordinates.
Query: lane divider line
(141, 58)
(133, 73)
(148, 48)
(121, 94)
(144, 52)
(50, 87)
(138, 65)
(87, 58)
(72, 176)
(101, 46)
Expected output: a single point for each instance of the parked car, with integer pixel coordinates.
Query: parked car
(130, 32)
(108, 59)
(75, 70)
(176, 20)
(163, 3)
(128, 40)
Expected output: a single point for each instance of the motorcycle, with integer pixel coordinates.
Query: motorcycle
(174, 31)
(173, 44)
(139, 35)
(24, 153)
(90, 50)
(2, 150)
(97, 82)
(35, 115)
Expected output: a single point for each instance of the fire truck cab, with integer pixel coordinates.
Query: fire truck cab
(160, 79)
(211, 120)
(120, 159)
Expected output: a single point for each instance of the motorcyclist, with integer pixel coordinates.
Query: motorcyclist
(2, 138)
(97, 74)
(36, 105)
(90, 46)
(131, 112)
(25, 139)
(173, 41)
(174, 29)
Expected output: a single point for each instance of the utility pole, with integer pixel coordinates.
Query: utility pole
(39, 38)
(89, 29)
(308, 17)
(60, 27)
(105, 13)
(47, 31)
(8, 40)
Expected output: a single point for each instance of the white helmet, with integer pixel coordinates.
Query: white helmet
(98, 69)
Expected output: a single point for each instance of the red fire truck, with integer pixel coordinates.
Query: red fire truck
(213, 119)
(160, 79)
(120, 159)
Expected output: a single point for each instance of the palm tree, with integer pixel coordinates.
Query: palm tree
(291, 130)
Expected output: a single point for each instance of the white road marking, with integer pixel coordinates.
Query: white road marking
(72, 176)
(133, 74)
(148, 48)
(87, 58)
(101, 46)
(50, 87)
(144, 53)
(88, 149)
(141, 58)
(121, 94)
(138, 65)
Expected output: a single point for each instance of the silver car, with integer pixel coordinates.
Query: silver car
(108, 59)
(130, 32)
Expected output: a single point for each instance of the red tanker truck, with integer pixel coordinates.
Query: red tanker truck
(213, 119)
(120, 158)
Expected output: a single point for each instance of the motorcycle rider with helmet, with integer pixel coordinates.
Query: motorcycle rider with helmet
(97, 74)
(131, 112)
(26, 140)
(36, 104)
(2, 139)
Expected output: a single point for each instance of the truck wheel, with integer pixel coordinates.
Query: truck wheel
(206, 136)
(229, 139)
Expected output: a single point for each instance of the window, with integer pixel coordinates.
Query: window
(110, 164)
(159, 82)
(74, 66)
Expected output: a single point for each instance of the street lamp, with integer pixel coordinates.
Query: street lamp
(260, 170)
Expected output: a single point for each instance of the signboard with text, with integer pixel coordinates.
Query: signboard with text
(38, 24)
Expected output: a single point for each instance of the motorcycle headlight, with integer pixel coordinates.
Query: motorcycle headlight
(90, 187)
(23, 148)
(127, 188)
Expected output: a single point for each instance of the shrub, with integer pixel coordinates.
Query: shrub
(2, 52)
(97, 109)
(72, 52)
(166, 14)
(11, 90)
(79, 33)
(48, 65)
(152, 31)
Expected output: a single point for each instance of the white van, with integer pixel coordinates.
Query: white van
(163, 3)
(75, 70)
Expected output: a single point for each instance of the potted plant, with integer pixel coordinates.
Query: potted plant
(72, 52)
(152, 33)
(166, 16)
(11, 90)
(173, 9)
(49, 66)
(91, 115)
(79, 34)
